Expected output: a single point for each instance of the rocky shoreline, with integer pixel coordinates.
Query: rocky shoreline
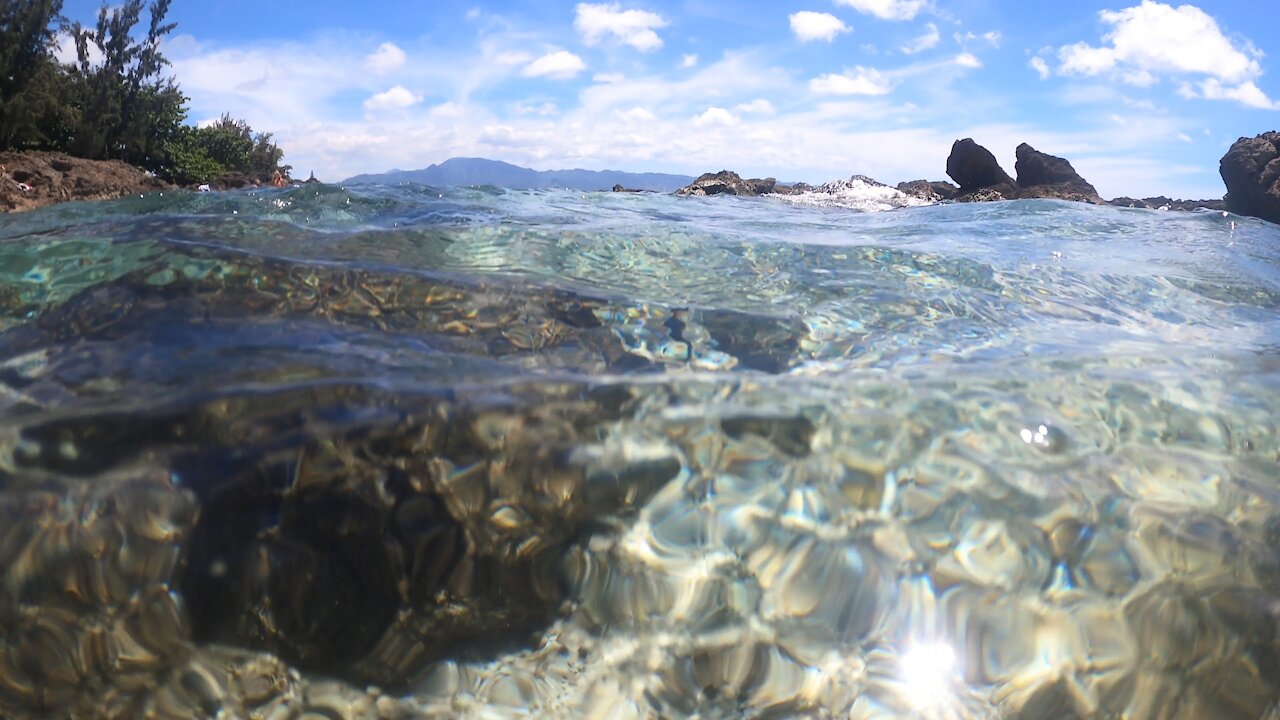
(1250, 170)
(31, 179)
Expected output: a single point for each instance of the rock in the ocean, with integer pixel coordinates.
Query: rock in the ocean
(973, 167)
(1041, 175)
(727, 182)
(1251, 170)
(1161, 202)
(931, 190)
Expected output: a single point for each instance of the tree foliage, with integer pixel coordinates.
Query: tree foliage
(114, 101)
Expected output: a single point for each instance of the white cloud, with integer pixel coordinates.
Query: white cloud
(543, 109)
(447, 110)
(715, 116)
(689, 61)
(808, 25)
(1151, 40)
(991, 37)
(759, 106)
(632, 27)
(558, 64)
(1185, 137)
(608, 77)
(386, 58)
(1040, 66)
(968, 60)
(863, 81)
(635, 114)
(64, 50)
(924, 42)
(396, 98)
(512, 57)
(1247, 93)
(887, 9)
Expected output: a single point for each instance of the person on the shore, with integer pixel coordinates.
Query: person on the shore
(277, 180)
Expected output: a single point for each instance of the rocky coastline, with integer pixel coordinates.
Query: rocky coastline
(1250, 170)
(31, 179)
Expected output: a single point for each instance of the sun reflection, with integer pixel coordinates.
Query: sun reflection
(927, 672)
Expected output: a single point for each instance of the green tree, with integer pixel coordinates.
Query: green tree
(124, 94)
(32, 93)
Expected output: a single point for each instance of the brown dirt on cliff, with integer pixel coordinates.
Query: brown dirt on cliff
(55, 177)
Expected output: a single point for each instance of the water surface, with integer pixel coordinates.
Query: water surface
(426, 452)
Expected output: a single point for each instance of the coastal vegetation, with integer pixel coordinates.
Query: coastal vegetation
(115, 101)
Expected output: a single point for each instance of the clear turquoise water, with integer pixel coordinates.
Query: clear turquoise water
(435, 452)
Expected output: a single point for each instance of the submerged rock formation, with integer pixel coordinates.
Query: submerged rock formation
(727, 182)
(1251, 171)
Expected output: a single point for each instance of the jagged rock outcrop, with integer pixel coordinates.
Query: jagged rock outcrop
(1042, 175)
(727, 182)
(1251, 171)
(30, 180)
(973, 167)
(931, 190)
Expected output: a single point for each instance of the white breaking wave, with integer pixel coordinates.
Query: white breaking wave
(858, 193)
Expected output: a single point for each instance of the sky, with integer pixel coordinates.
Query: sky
(1142, 97)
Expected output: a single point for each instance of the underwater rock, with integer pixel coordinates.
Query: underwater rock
(1251, 171)
(727, 182)
(343, 530)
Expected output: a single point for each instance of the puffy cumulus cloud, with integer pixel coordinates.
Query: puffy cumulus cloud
(1246, 93)
(1153, 40)
(386, 58)
(968, 60)
(689, 61)
(862, 81)
(887, 9)
(759, 106)
(631, 27)
(396, 98)
(808, 25)
(558, 64)
(1041, 67)
(715, 117)
(924, 42)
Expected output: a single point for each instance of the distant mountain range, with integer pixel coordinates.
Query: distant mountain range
(478, 171)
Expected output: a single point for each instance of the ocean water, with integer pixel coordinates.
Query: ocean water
(409, 452)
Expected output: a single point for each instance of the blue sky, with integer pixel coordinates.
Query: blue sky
(1142, 97)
